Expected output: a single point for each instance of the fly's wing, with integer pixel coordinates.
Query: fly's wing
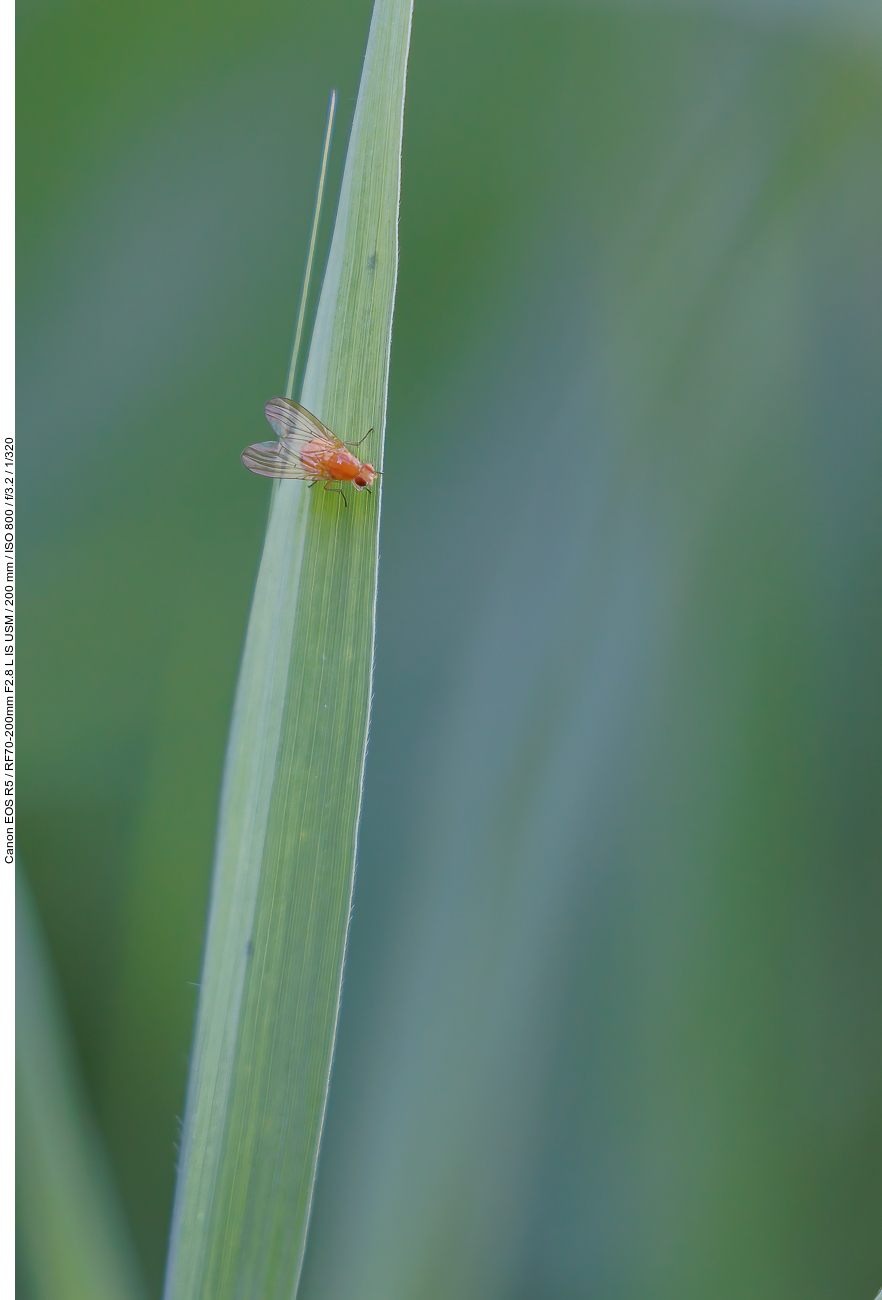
(296, 426)
(274, 460)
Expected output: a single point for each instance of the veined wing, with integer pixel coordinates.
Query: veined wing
(296, 426)
(274, 460)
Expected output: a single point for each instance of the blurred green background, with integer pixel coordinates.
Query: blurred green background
(611, 1022)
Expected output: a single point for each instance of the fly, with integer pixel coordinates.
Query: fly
(306, 449)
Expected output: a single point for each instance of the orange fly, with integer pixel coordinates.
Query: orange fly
(307, 450)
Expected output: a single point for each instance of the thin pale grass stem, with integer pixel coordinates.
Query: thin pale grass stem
(307, 274)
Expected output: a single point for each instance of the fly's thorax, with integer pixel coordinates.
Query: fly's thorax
(329, 462)
(342, 464)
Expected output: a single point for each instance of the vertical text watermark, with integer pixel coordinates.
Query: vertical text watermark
(9, 648)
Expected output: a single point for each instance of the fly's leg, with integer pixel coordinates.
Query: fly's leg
(330, 488)
(361, 440)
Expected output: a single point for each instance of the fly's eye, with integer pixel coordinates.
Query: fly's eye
(361, 482)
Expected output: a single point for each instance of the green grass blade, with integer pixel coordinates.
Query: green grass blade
(74, 1241)
(285, 861)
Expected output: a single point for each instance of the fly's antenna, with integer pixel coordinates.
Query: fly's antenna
(307, 274)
